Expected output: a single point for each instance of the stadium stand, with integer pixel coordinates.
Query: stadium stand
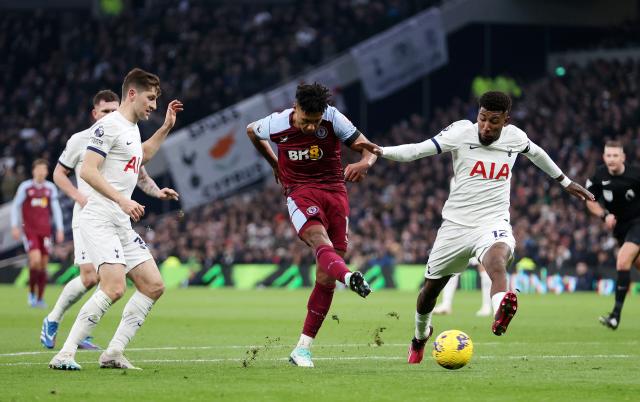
(59, 58)
(553, 230)
(40, 113)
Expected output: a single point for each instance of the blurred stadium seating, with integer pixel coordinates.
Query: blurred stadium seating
(227, 53)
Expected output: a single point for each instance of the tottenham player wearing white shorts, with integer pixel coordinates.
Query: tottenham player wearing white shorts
(476, 214)
(104, 102)
(111, 167)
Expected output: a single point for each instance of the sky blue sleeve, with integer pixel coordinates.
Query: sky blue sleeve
(262, 127)
(55, 208)
(342, 126)
(16, 213)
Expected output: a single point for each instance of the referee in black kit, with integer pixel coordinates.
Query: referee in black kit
(617, 187)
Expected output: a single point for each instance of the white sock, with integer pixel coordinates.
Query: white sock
(71, 293)
(87, 319)
(496, 299)
(422, 323)
(347, 278)
(485, 289)
(305, 342)
(133, 315)
(449, 291)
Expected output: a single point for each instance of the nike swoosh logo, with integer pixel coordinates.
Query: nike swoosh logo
(605, 182)
(472, 147)
(129, 142)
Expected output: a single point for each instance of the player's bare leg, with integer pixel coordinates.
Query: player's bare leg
(71, 293)
(331, 267)
(424, 308)
(505, 303)
(448, 292)
(112, 287)
(149, 288)
(627, 255)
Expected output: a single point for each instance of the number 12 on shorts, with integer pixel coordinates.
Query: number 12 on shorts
(141, 242)
(499, 233)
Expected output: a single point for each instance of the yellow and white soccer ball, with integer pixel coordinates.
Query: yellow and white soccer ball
(452, 349)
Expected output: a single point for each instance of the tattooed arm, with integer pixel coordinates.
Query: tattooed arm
(149, 186)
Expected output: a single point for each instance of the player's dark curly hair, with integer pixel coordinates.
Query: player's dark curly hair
(313, 98)
(495, 101)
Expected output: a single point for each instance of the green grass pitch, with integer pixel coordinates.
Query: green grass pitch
(231, 345)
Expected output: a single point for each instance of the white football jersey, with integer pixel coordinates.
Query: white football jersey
(118, 141)
(72, 158)
(481, 185)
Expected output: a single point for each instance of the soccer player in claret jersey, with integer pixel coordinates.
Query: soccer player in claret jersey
(35, 201)
(309, 167)
(617, 186)
(476, 214)
(111, 166)
(104, 102)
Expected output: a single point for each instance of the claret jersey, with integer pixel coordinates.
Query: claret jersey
(308, 158)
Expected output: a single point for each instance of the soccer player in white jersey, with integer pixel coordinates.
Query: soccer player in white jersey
(111, 166)
(476, 214)
(104, 102)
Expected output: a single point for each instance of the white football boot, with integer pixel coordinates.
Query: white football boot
(301, 357)
(64, 361)
(116, 361)
(442, 309)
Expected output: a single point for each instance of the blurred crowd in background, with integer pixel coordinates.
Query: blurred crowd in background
(230, 52)
(570, 117)
(209, 57)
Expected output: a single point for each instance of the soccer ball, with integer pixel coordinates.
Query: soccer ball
(452, 349)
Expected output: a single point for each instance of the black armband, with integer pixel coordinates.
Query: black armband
(352, 138)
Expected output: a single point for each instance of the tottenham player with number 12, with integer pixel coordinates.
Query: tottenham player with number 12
(476, 214)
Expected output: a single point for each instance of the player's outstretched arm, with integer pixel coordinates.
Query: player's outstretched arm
(542, 160)
(357, 171)
(265, 150)
(575, 189)
(61, 179)
(409, 152)
(91, 174)
(151, 146)
(149, 186)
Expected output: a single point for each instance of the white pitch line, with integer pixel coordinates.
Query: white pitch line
(348, 358)
(280, 346)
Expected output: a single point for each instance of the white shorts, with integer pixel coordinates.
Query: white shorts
(108, 243)
(80, 255)
(456, 244)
